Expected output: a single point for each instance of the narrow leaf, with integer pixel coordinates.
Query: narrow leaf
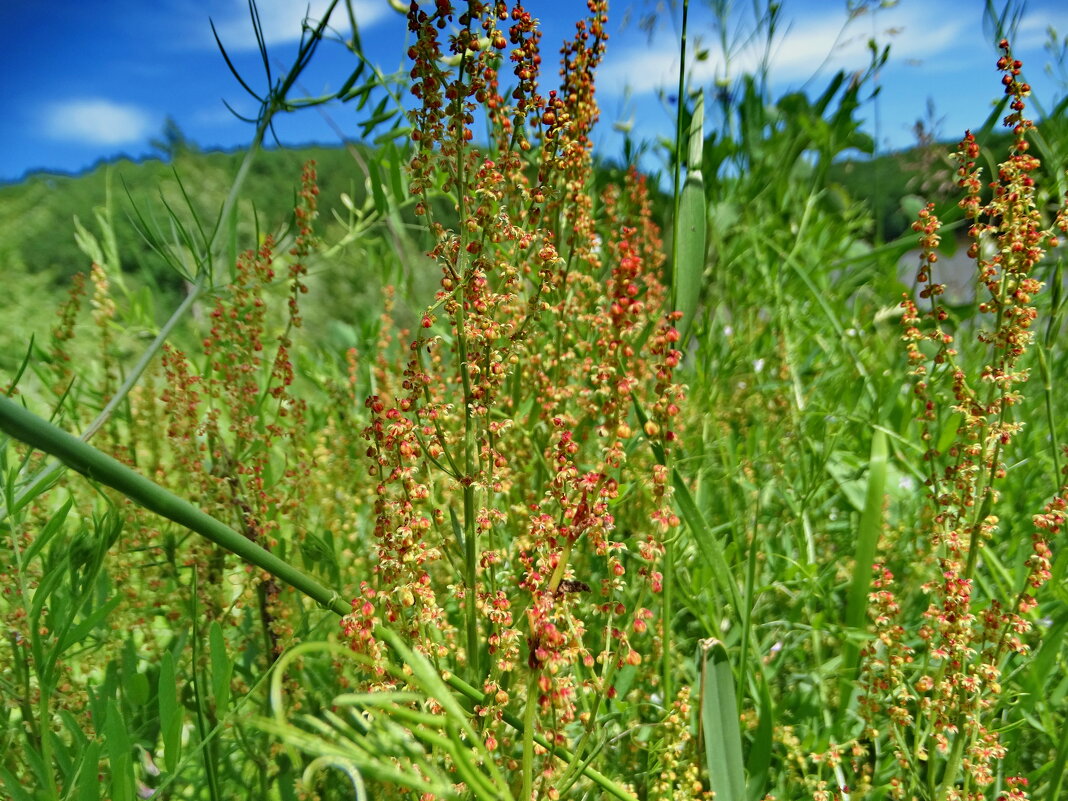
(119, 747)
(376, 183)
(170, 713)
(759, 762)
(719, 722)
(690, 267)
(221, 669)
(707, 544)
(87, 781)
(691, 228)
(54, 524)
(871, 526)
(13, 786)
(78, 633)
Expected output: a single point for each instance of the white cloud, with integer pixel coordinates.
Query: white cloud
(96, 121)
(1034, 28)
(282, 20)
(822, 42)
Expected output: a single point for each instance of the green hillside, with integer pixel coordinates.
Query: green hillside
(36, 215)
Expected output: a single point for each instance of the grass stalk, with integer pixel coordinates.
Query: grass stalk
(92, 463)
(677, 166)
(529, 713)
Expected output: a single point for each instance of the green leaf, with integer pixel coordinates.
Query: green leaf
(376, 184)
(119, 749)
(695, 150)
(949, 432)
(394, 133)
(14, 382)
(1060, 763)
(78, 633)
(87, 780)
(719, 723)
(221, 669)
(397, 178)
(13, 786)
(707, 544)
(170, 713)
(845, 468)
(54, 524)
(871, 526)
(911, 206)
(759, 763)
(691, 229)
(137, 689)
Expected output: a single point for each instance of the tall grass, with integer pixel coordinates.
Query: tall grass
(758, 521)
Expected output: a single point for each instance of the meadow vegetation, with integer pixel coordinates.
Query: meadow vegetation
(510, 479)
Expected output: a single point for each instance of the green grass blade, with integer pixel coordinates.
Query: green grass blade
(719, 723)
(55, 523)
(170, 713)
(87, 782)
(9, 390)
(871, 526)
(707, 544)
(119, 750)
(221, 669)
(1059, 763)
(759, 763)
(95, 618)
(13, 786)
(690, 267)
(691, 228)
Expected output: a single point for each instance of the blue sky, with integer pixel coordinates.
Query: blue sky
(84, 80)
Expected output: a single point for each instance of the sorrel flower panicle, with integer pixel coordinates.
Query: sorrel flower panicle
(937, 681)
(519, 463)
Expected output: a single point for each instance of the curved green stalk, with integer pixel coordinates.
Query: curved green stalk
(82, 457)
(528, 737)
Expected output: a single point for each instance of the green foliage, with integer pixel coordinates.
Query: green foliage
(719, 716)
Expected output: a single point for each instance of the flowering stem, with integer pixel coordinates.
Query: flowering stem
(665, 619)
(470, 530)
(666, 613)
(528, 736)
(51, 472)
(470, 567)
(953, 763)
(1051, 423)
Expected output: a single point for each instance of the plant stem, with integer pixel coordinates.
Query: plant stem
(677, 171)
(470, 529)
(666, 687)
(666, 665)
(528, 737)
